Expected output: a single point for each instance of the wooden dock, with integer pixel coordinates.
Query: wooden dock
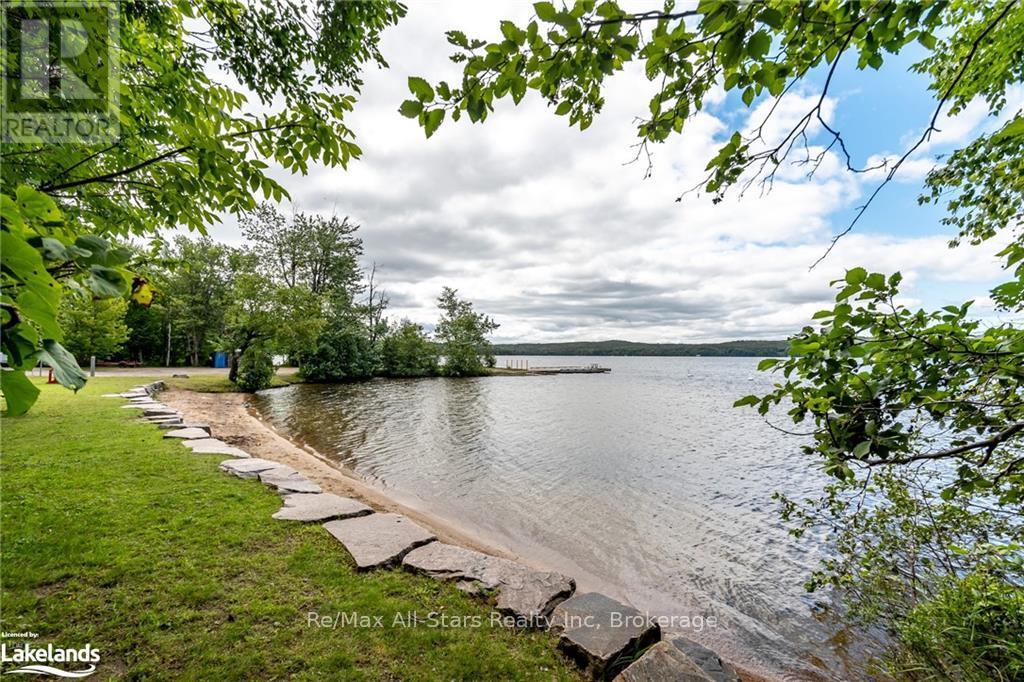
(587, 369)
(523, 365)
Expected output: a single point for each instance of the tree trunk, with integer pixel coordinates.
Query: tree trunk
(167, 361)
(232, 366)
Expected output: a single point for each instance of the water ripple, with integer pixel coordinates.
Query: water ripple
(645, 480)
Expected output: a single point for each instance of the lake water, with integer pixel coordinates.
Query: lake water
(644, 483)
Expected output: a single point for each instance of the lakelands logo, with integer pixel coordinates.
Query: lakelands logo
(37, 660)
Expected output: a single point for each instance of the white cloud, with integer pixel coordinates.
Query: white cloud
(548, 231)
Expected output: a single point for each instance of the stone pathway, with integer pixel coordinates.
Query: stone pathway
(213, 446)
(602, 635)
(188, 433)
(378, 540)
(680, 659)
(605, 638)
(319, 508)
(288, 480)
(526, 595)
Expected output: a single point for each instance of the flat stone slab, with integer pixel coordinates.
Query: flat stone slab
(320, 507)
(288, 480)
(528, 596)
(133, 394)
(197, 425)
(187, 425)
(378, 540)
(600, 634)
(213, 446)
(663, 663)
(247, 468)
(188, 433)
(678, 659)
(157, 411)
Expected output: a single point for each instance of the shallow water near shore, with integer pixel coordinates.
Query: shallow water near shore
(644, 483)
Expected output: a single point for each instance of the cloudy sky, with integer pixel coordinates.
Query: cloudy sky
(548, 230)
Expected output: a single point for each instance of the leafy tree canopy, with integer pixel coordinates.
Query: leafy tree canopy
(462, 333)
(93, 327)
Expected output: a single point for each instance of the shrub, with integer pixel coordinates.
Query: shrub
(255, 370)
(407, 352)
(341, 352)
(972, 629)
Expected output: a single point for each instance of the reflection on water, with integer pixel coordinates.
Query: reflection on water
(644, 483)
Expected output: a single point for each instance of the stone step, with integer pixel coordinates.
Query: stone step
(288, 480)
(525, 595)
(213, 446)
(378, 540)
(158, 411)
(163, 418)
(320, 507)
(132, 394)
(246, 468)
(178, 424)
(188, 433)
(678, 658)
(601, 635)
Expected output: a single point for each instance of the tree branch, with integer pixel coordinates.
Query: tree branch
(991, 442)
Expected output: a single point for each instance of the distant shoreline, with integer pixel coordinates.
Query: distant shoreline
(753, 349)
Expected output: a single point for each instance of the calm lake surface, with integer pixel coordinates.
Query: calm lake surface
(644, 483)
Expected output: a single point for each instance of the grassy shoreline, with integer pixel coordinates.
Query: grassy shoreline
(115, 537)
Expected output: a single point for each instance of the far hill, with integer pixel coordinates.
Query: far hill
(728, 348)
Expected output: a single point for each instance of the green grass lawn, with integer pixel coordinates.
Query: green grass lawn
(112, 536)
(205, 383)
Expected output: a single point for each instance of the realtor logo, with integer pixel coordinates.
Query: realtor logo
(61, 80)
(49, 660)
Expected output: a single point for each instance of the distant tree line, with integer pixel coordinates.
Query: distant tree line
(294, 290)
(757, 349)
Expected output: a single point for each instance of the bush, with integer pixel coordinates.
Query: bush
(972, 630)
(340, 353)
(255, 370)
(407, 352)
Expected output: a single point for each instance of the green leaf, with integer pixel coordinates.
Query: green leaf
(759, 44)
(433, 121)
(65, 367)
(411, 108)
(106, 282)
(41, 311)
(767, 364)
(421, 89)
(545, 11)
(747, 400)
(856, 275)
(36, 205)
(1014, 128)
(19, 391)
(875, 280)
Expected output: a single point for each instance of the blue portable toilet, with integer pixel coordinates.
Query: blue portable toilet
(220, 359)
